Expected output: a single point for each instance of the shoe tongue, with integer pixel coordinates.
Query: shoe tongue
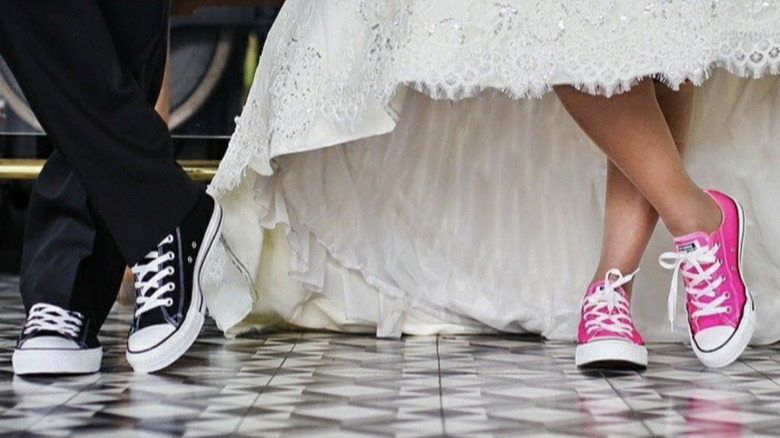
(595, 287)
(160, 267)
(691, 242)
(161, 250)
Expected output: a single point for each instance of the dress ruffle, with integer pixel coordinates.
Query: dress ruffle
(477, 211)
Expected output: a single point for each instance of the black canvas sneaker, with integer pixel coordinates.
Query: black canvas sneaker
(57, 341)
(169, 309)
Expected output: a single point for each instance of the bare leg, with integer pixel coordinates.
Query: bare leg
(632, 131)
(629, 219)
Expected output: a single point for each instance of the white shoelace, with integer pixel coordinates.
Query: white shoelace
(700, 281)
(149, 276)
(601, 304)
(52, 318)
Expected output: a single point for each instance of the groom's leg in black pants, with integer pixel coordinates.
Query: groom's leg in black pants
(90, 85)
(70, 259)
(67, 60)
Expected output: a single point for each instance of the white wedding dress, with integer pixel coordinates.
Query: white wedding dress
(401, 166)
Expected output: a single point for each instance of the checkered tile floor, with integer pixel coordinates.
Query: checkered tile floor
(295, 384)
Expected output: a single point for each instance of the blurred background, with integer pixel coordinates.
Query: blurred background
(213, 54)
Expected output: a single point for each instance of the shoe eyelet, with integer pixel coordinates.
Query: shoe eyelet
(169, 302)
(727, 295)
(734, 268)
(733, 249)
(194, 245)
(171, 255)
(171, 271)
(729, 309)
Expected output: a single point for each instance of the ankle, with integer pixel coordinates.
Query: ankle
(702, 215)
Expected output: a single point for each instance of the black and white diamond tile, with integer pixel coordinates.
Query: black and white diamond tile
(296, 384)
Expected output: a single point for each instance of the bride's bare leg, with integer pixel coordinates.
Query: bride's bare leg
(629, 219)
(633, 132)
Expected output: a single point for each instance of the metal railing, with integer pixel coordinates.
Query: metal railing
(198, 170)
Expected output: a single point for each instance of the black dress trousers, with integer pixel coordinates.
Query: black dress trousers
(91, 71)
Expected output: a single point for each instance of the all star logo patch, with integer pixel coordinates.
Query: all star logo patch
(688, 247)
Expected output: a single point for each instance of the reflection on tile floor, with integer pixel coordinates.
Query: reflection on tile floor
(296, 384)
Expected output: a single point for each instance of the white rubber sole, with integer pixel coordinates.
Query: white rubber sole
(731, 351)
(610, 350)
(56, 361)
(178, 343)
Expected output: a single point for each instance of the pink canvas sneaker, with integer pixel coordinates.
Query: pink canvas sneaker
(606, 334)
(721, 312)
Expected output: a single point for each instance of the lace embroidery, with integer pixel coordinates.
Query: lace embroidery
(331, 62)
